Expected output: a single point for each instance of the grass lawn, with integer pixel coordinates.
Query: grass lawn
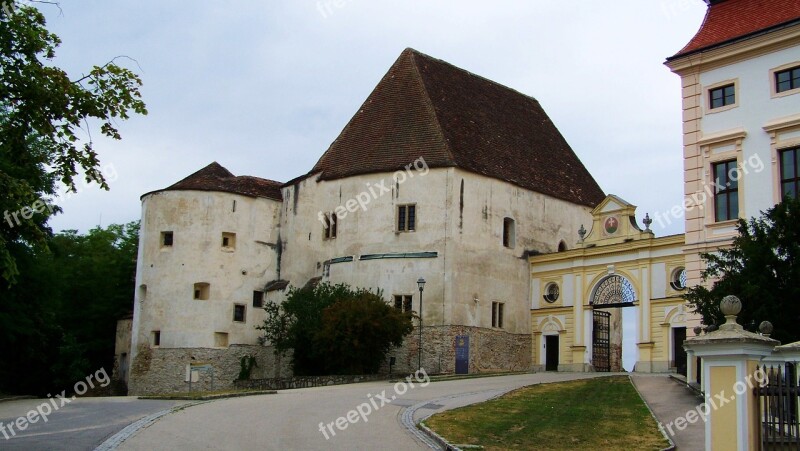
(601, 413)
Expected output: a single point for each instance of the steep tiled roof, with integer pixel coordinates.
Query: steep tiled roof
(424, 107)
(729, 20)
(214, 177)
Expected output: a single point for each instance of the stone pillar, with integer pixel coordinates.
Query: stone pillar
(730, 360)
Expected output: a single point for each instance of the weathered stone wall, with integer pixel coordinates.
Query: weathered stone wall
(489, 350)
(159, 370)
(284, 383)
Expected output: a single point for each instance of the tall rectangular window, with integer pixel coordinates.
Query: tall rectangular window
(726, 191)
(790, 172)
(786, 80)
(497, 314)
(156, 338)
(166, 239)
(722, 96)
(330, 226)
(239, 313)
(406, 218)
(509, 233)
(258, 299)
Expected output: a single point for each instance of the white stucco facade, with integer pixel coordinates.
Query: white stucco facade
(752, 132)
(165, 302)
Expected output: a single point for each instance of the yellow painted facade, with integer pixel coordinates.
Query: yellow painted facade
(566, 287)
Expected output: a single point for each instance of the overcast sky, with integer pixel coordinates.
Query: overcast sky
(265, 87)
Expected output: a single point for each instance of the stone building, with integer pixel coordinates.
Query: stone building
(441, 174)
(740, 78)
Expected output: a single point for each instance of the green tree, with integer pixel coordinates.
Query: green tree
(358, 331)
(333, 329)
(762, 268)
(45, 126)
(58, 322)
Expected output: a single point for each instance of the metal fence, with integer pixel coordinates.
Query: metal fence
(778, 408)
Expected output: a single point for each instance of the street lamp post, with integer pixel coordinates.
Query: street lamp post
(421, 285)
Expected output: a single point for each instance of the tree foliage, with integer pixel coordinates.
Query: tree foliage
(46, 122)
(762, 268)
(333, 329)
(58, 321)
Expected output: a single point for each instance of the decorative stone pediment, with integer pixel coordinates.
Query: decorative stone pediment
(614, 221)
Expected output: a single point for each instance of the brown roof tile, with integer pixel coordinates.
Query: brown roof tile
(214, 177)
(425, 107)
(730, 20)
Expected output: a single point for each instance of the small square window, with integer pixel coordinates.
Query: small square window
(220, 339)
(787, 80)
(239, 311)
(229, 240)
(166, 239)
(202, 291)
(258, 299)
(404, 303)
(722, 96)
(406, 218)
(156, 336)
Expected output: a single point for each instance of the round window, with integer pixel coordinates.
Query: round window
(679, 279)
(551, 293)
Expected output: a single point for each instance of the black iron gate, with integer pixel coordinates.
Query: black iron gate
(778, 403)
(601, 341)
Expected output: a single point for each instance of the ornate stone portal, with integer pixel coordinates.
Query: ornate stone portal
(578, 296)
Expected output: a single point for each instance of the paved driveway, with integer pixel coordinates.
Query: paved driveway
(81, 424)
(364, 416)
(296, 419)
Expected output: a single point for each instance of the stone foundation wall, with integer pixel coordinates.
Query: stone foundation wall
(285, 383)
(490, 350)
(162, 370)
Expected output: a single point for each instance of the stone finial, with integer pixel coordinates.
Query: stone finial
(697, 330)
(647, 221)
(730, 306)
(582, 233)
(765, 328)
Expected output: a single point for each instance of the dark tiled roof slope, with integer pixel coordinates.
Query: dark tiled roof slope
(730, 20)
(425, 107)
(214, 177)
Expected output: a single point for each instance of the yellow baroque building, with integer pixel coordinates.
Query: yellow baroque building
(577, 297)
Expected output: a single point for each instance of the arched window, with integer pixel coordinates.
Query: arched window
(613, 291)
(562, 246)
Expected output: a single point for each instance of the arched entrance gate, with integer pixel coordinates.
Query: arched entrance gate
(613, 292)
(578, 296)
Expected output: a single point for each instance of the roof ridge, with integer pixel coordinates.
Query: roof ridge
(473, 74)
(431, 107)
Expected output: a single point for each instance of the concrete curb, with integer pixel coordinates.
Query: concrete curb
(132, 429)
(672, 446)
(209, 397)
(425, 434)
(17, 398)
